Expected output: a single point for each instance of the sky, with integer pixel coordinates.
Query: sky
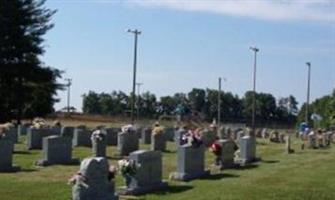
(188, 44)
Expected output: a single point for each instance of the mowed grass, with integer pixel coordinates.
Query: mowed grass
(304, 175)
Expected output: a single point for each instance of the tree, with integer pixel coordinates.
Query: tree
(27, 86)
(91, 103)
(265, 108)
(148, 105)
(197, 99)
(167, 104)
(325, 107)
(287, 110)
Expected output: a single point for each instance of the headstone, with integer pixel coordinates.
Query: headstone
(158, 142)
(208, 137)
(227, 153)
(148, 176)
(274, 137)
(311, 139)
(328, 138)
(288, 149)
(96, 185)
(67, 131)
(12, 134)
(281, 138)
(22, 129)
(169, 134)
(239, 135)
(138, 131)
(259, 133)
(127, 142)
(248, 149)
(190, 163)
(178, 135)
(98, 139)
(35, 137)
(57, 150)
(111, 135)
(225, 133)
(82, 137)
(146, 136)
(56, 130)
(265, 133)
(6, 156)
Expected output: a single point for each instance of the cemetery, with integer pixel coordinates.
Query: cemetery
(183, 171)
(154, 100)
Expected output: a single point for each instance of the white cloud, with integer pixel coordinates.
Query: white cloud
(306, 10)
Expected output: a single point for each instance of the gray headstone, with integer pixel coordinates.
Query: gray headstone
(311, 139)
(67, 131)
(288, 148)
(146, 135)
(227, 153)
(259, 133)
(111, 135)
(57, 150)
(208, 137)
(158, 142)
(99, 146)
(35, 136)
(22, 129)
(190, 163)
(127, 143)
(265, 133)
(12, 134)
(178, 134)
(148, 176)
(96, 185)
(82, 137)
(239, 135)
(169, 134)
(225, 133)
(328, 138)
(6, 156)
(248, 149)
(56, 130)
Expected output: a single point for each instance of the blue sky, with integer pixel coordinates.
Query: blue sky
(190, 43)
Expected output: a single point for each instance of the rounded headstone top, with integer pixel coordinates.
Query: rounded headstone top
(94, 167)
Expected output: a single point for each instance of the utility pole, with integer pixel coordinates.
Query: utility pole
(255, 50)
(138, 100)
(219, 107)
(308, 92)
(69, 83)
(136, 33)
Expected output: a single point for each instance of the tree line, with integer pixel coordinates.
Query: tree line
(324, 107)
(201, 103)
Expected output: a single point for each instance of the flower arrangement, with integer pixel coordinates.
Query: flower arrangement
(127, 128)
(216, 148)
(39, 123)
(4, 128)
(78, 178)
(157, 129)
(193, 138)
(97, 135)
(128, 169)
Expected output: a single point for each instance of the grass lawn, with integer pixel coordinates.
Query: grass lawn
(304, 175)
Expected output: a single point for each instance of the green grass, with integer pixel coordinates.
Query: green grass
(304, 175)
